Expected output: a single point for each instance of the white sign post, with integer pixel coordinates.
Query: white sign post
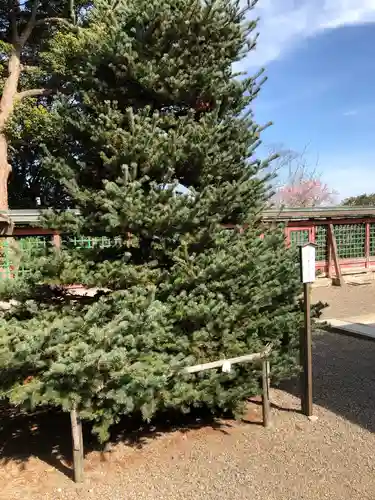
(307, 263)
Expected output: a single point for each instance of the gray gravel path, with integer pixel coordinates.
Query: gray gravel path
(332, 458)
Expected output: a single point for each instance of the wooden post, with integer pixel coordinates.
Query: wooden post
(329, 255)
(257, 357)
(266, 393)
(82, 446)
(77, 445)
(306, 356)
(56, 240)
(333, 243)
(367, 245)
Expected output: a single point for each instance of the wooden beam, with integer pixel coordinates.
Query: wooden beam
(315, 213)
(32, 216)
(329, 256)
(247, 358)
(333, 243)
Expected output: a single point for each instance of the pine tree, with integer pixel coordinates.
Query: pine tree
(156, 152)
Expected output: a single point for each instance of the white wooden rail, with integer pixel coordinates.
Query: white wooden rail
(225, 365)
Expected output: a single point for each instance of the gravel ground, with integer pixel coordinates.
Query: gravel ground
(348, 301)
(331, 458)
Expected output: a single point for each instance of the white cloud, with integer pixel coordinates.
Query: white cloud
(284, 23)
(350, 112)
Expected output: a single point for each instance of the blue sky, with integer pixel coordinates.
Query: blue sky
(320, 61)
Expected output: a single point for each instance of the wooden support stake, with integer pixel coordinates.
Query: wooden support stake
(306, 356)
(266, 393)
(257, 357)
(333, 243)
(56, 240)
(77, 445)
(82, 446)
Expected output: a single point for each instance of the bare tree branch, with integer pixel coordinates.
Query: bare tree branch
(60, 20)
(31, 24)
(29, 69)
(34, 93)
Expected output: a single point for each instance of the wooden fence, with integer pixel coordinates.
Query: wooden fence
(355, 242)
(352, 229)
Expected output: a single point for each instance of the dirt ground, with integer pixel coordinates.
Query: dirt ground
(296, 459)
(348, 301)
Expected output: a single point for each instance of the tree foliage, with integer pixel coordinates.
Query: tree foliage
(153, 105)
(30, 126)
(363, 200)
(28, 88)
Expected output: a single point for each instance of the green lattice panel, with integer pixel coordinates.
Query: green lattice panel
(351, 240)
(321, 243)
(299, 237)
(5, 259)
(14, 256)
(372, 240)
(92, 242)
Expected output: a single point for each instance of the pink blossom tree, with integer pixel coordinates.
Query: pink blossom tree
(305, 193)
(298, 184)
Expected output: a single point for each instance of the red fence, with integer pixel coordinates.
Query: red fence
(355, 241)
(354, 231)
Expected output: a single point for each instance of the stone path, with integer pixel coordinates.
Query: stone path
(358, 327)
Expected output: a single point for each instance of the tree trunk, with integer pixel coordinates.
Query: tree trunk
(6, 107)
(5, 170)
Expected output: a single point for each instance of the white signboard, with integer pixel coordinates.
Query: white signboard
(308, 263)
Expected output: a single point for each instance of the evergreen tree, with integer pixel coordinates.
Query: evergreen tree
(183, 277)
(362, 200)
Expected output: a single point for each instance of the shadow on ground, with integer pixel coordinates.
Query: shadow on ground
(344, 377)
(47, 434)
(344, 383)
